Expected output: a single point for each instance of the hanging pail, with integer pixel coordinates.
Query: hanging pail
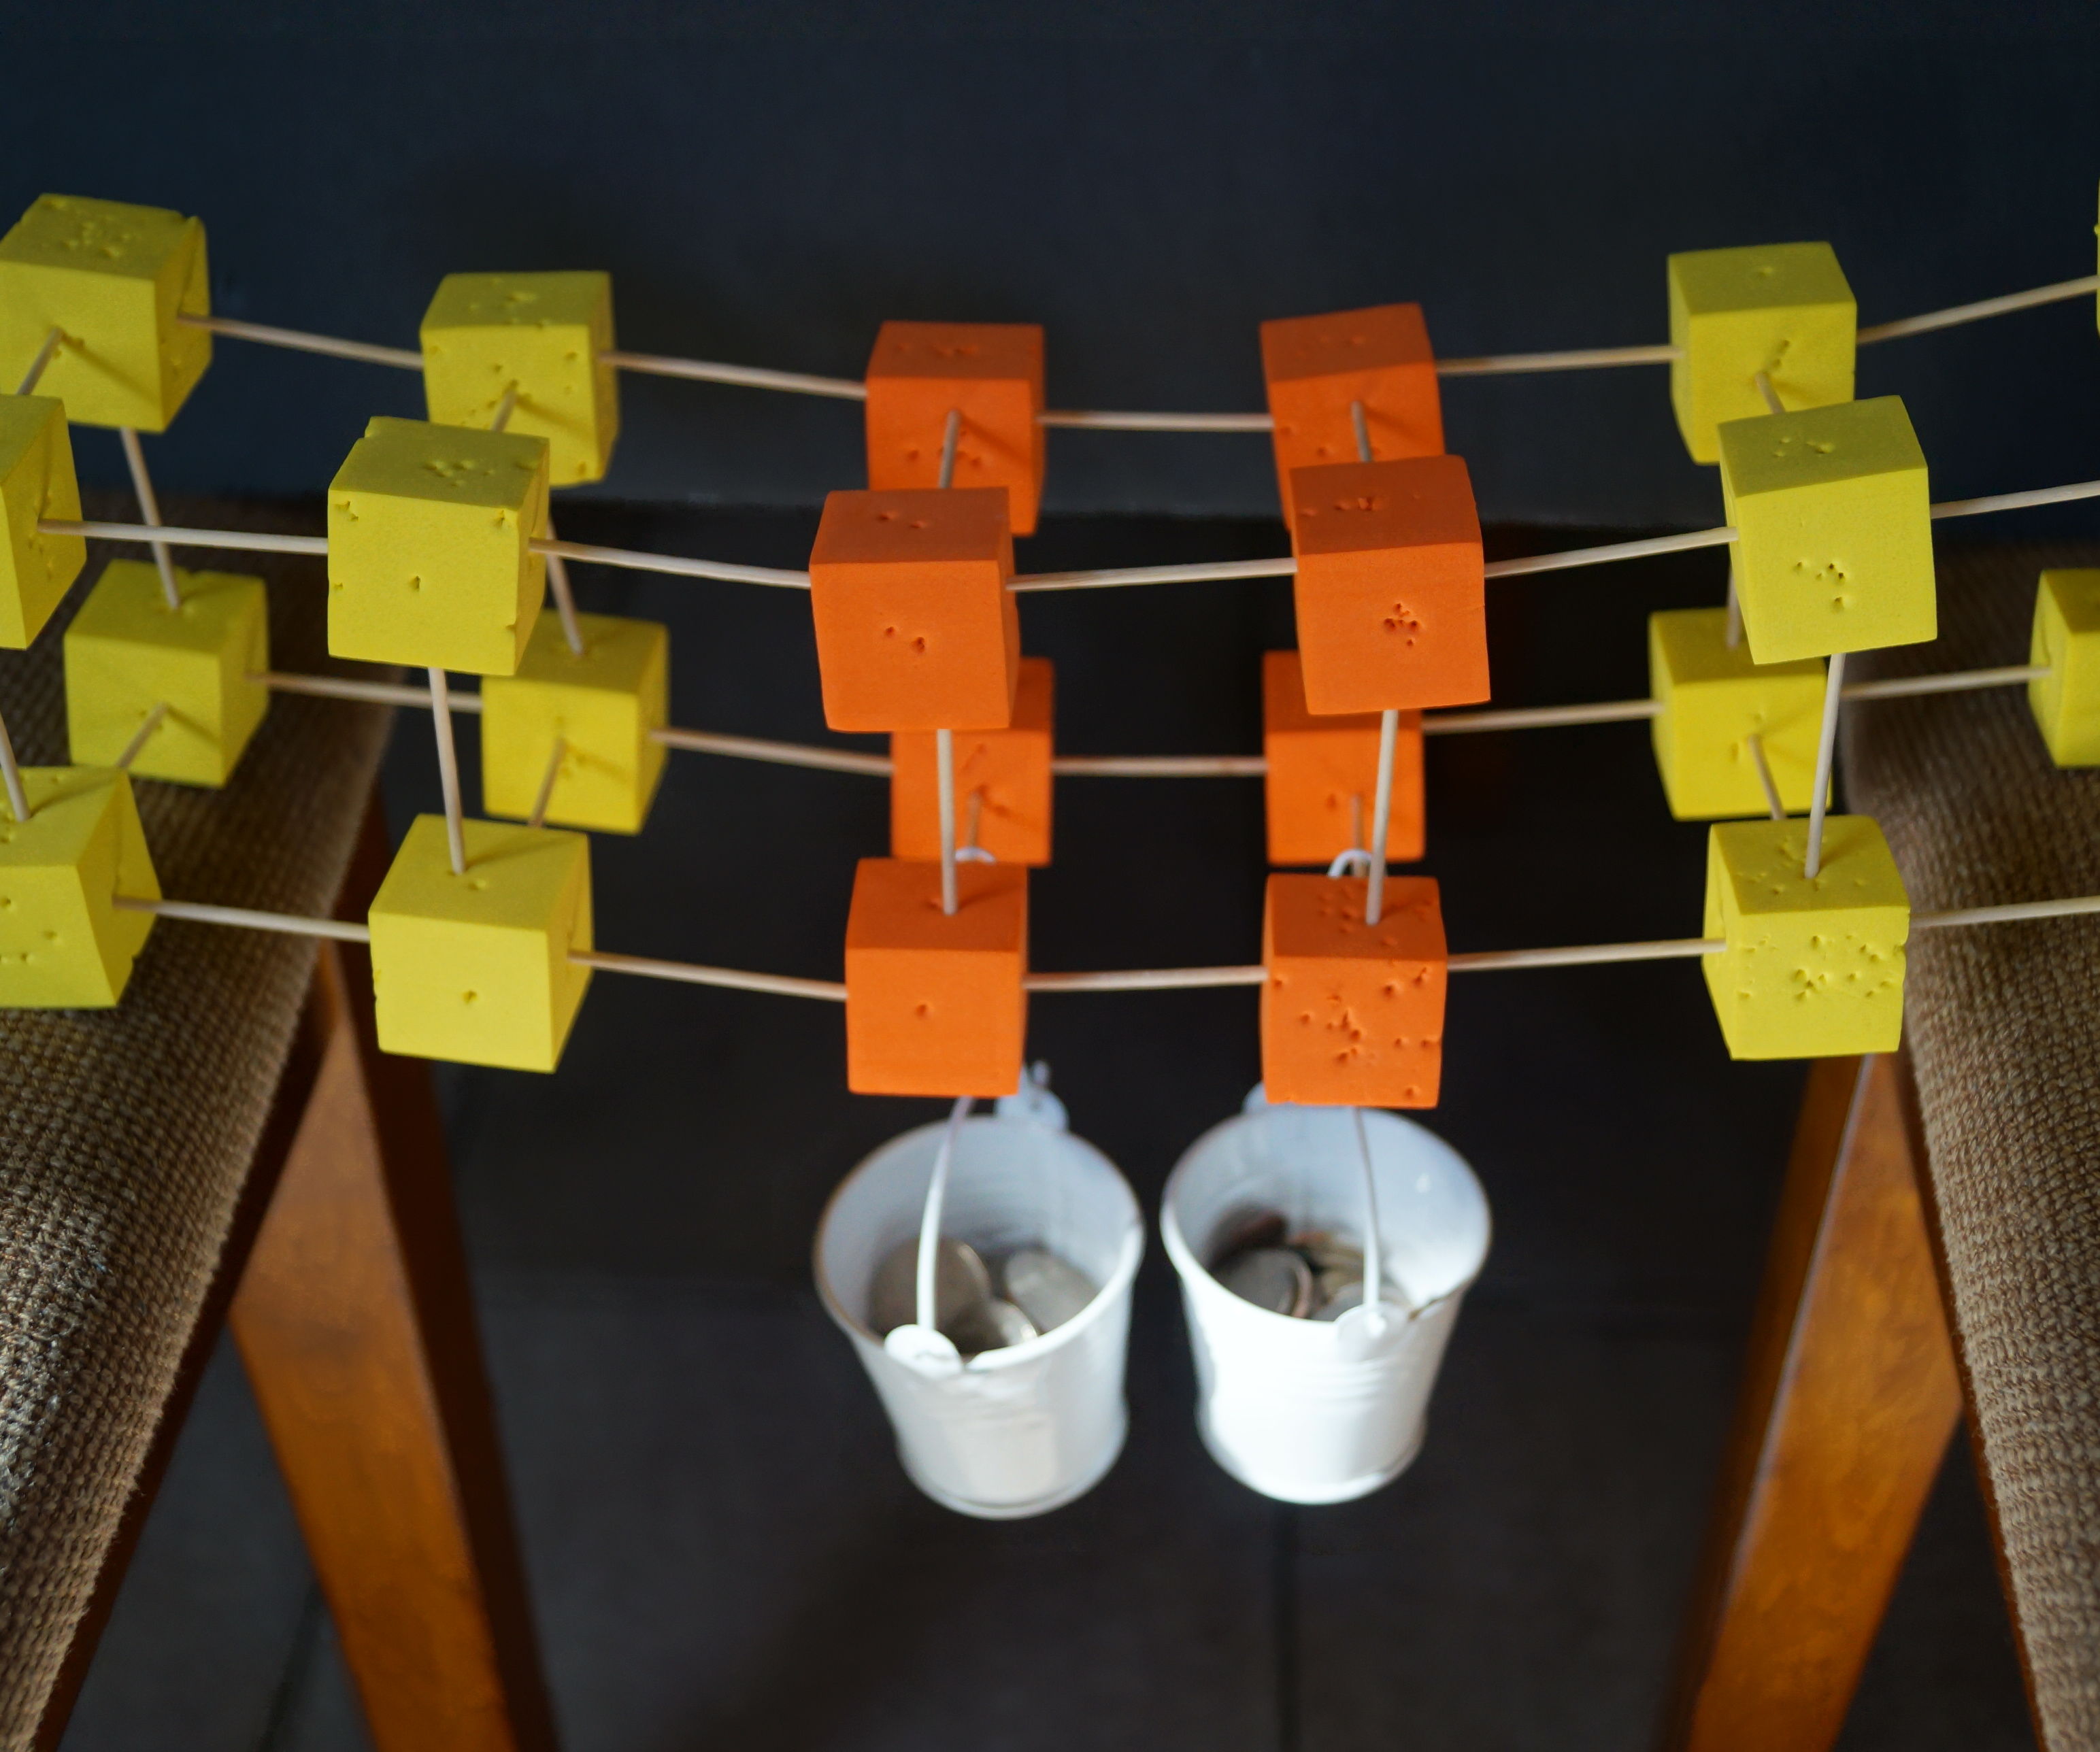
(1313, 1410)
(1021, 1430)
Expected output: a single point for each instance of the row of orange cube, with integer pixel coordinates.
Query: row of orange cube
(916, 632)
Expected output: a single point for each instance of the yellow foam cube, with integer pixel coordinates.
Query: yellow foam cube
(1833, 515)
(475, 968)
(430, 531)
(2065, 702)
(602, 705)
(1782, 309)
(37, 480)
(64, 943)
(1814, 967)
(115, 280)
(127, 652)
(545, 333)
(1713, 699)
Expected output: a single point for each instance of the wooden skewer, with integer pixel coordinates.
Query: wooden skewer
(1826, 755)
(944, 774)
(538, 817)
(505, 409)
(852, 389)
(565, 599)
(449, 771)
(41, 363)
(1756, 745)
(1132, 979)
(11, 773)
(149, 508)
(1381, 817)
(140, 737)
(298, 340)
(1773, 404)
(1282, 566)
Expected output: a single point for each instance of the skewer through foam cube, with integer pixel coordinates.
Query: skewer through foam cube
(1833, 515)
(544, 335)
(127, 653)
(115, 280)
(1782, 309)
(475, 968)
(1391, 589)
(602, 705)
(64, 944)
(1322, 787)
(990, 373)
(1007, 771)
(1713, 700)
(1814, 967)
(915, 625)
(2065, 702)
(429, 532)
(37, 480)
(1315, 366)
(1352, 1014)
(935, 1004)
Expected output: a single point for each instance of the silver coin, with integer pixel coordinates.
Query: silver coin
(1243, 1229)
(991, 1324)
(1326, 1252)
(1045, 1287)
(959, 1279)
(1274, 1278)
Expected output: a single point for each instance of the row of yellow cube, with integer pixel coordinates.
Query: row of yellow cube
(479, 967)
(128, 288)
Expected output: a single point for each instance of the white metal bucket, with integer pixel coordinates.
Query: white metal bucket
(1027, 1429)
(1309, 1410)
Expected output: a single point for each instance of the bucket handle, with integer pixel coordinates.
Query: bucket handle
(929, 1220)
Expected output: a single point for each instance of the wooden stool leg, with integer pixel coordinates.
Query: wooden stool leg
(356, 1322)
(1850, 1397)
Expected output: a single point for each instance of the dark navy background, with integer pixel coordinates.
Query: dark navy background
(768, 182)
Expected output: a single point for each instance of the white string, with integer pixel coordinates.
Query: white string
(1373, 1243)
(929, 1220)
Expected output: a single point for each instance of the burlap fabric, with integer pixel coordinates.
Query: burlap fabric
(2003, 1023)
(126, 1134)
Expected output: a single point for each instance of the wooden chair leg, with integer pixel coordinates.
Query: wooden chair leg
(1849, 1401)
(356, 1326)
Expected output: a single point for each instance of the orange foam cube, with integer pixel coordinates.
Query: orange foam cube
(1391, 591)
(1007, 771)
(916, 626)
(1352, 1014)
(934, 1003)
(991, 373)
(1317, 366)
(1321, 788)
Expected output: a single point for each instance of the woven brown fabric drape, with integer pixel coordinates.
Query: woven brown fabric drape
(2003, 1023)
(126, 1134)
